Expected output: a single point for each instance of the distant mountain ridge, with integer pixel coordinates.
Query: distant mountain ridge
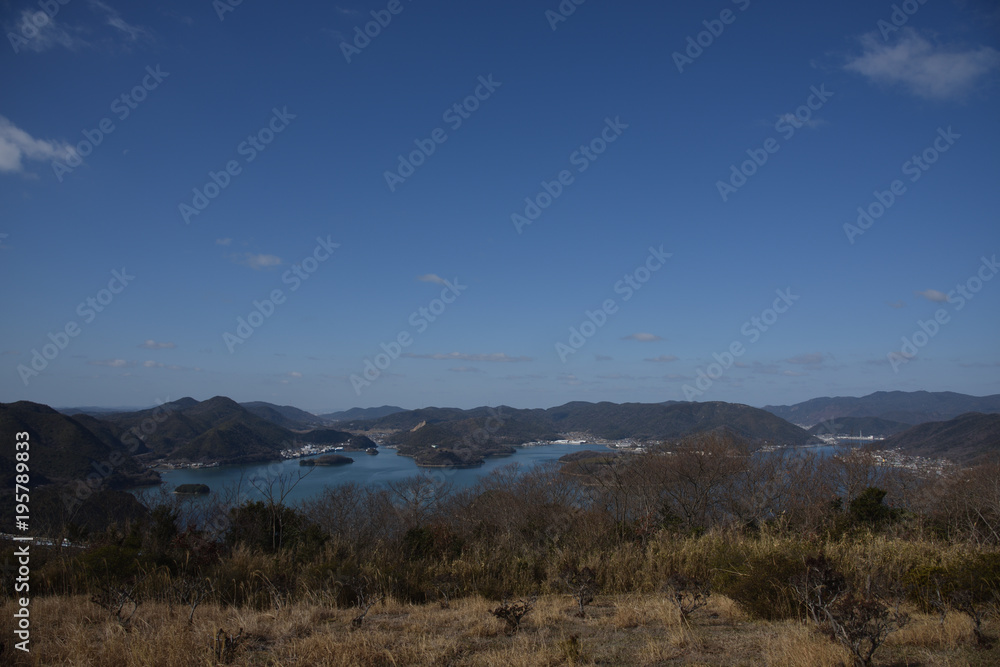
(285, 416)
(963, 439)
(612, 421)
(909, 407)
(362, 413)
(218, 430)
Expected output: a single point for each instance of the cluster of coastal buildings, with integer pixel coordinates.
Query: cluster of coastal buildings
(309, 450)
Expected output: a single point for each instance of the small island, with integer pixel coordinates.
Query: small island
(192, 489)
(329, 460)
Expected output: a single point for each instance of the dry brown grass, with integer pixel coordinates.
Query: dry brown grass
(619, 630)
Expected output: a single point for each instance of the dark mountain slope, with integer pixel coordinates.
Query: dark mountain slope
(855, 425)
(963, 439)
(217, 430)
(910, 407)
(63, 450)
(285, 416)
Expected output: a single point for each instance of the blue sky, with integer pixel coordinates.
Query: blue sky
(693, 166)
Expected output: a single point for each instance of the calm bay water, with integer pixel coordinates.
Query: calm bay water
(366, 469)
(381, 469)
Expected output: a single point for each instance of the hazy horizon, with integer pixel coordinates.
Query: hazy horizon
(321, 411)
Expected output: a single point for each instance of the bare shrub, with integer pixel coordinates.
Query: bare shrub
(860, 623)
(966, 602)
(120, 601)
(512, 612)
(446, 588)
(687, 594)
(367, 594)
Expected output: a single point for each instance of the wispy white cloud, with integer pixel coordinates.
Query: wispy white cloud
(155, 345)
(225, 241)
(42, 35)
(603, 357)
(112, 363)
(926, 70)
(662, 359)
(112, 18)
(16, 145)
(169, 367)
(642, 337)
(46, 32)
(431, 278)
(933, 295)
(458, 356)
(257, 261)
(896, 304)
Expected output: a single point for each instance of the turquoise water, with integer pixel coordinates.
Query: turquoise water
(366, 469)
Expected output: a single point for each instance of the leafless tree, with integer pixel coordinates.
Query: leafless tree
(582, 584)
(192, 592)
(275, 489)
(417, 498)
